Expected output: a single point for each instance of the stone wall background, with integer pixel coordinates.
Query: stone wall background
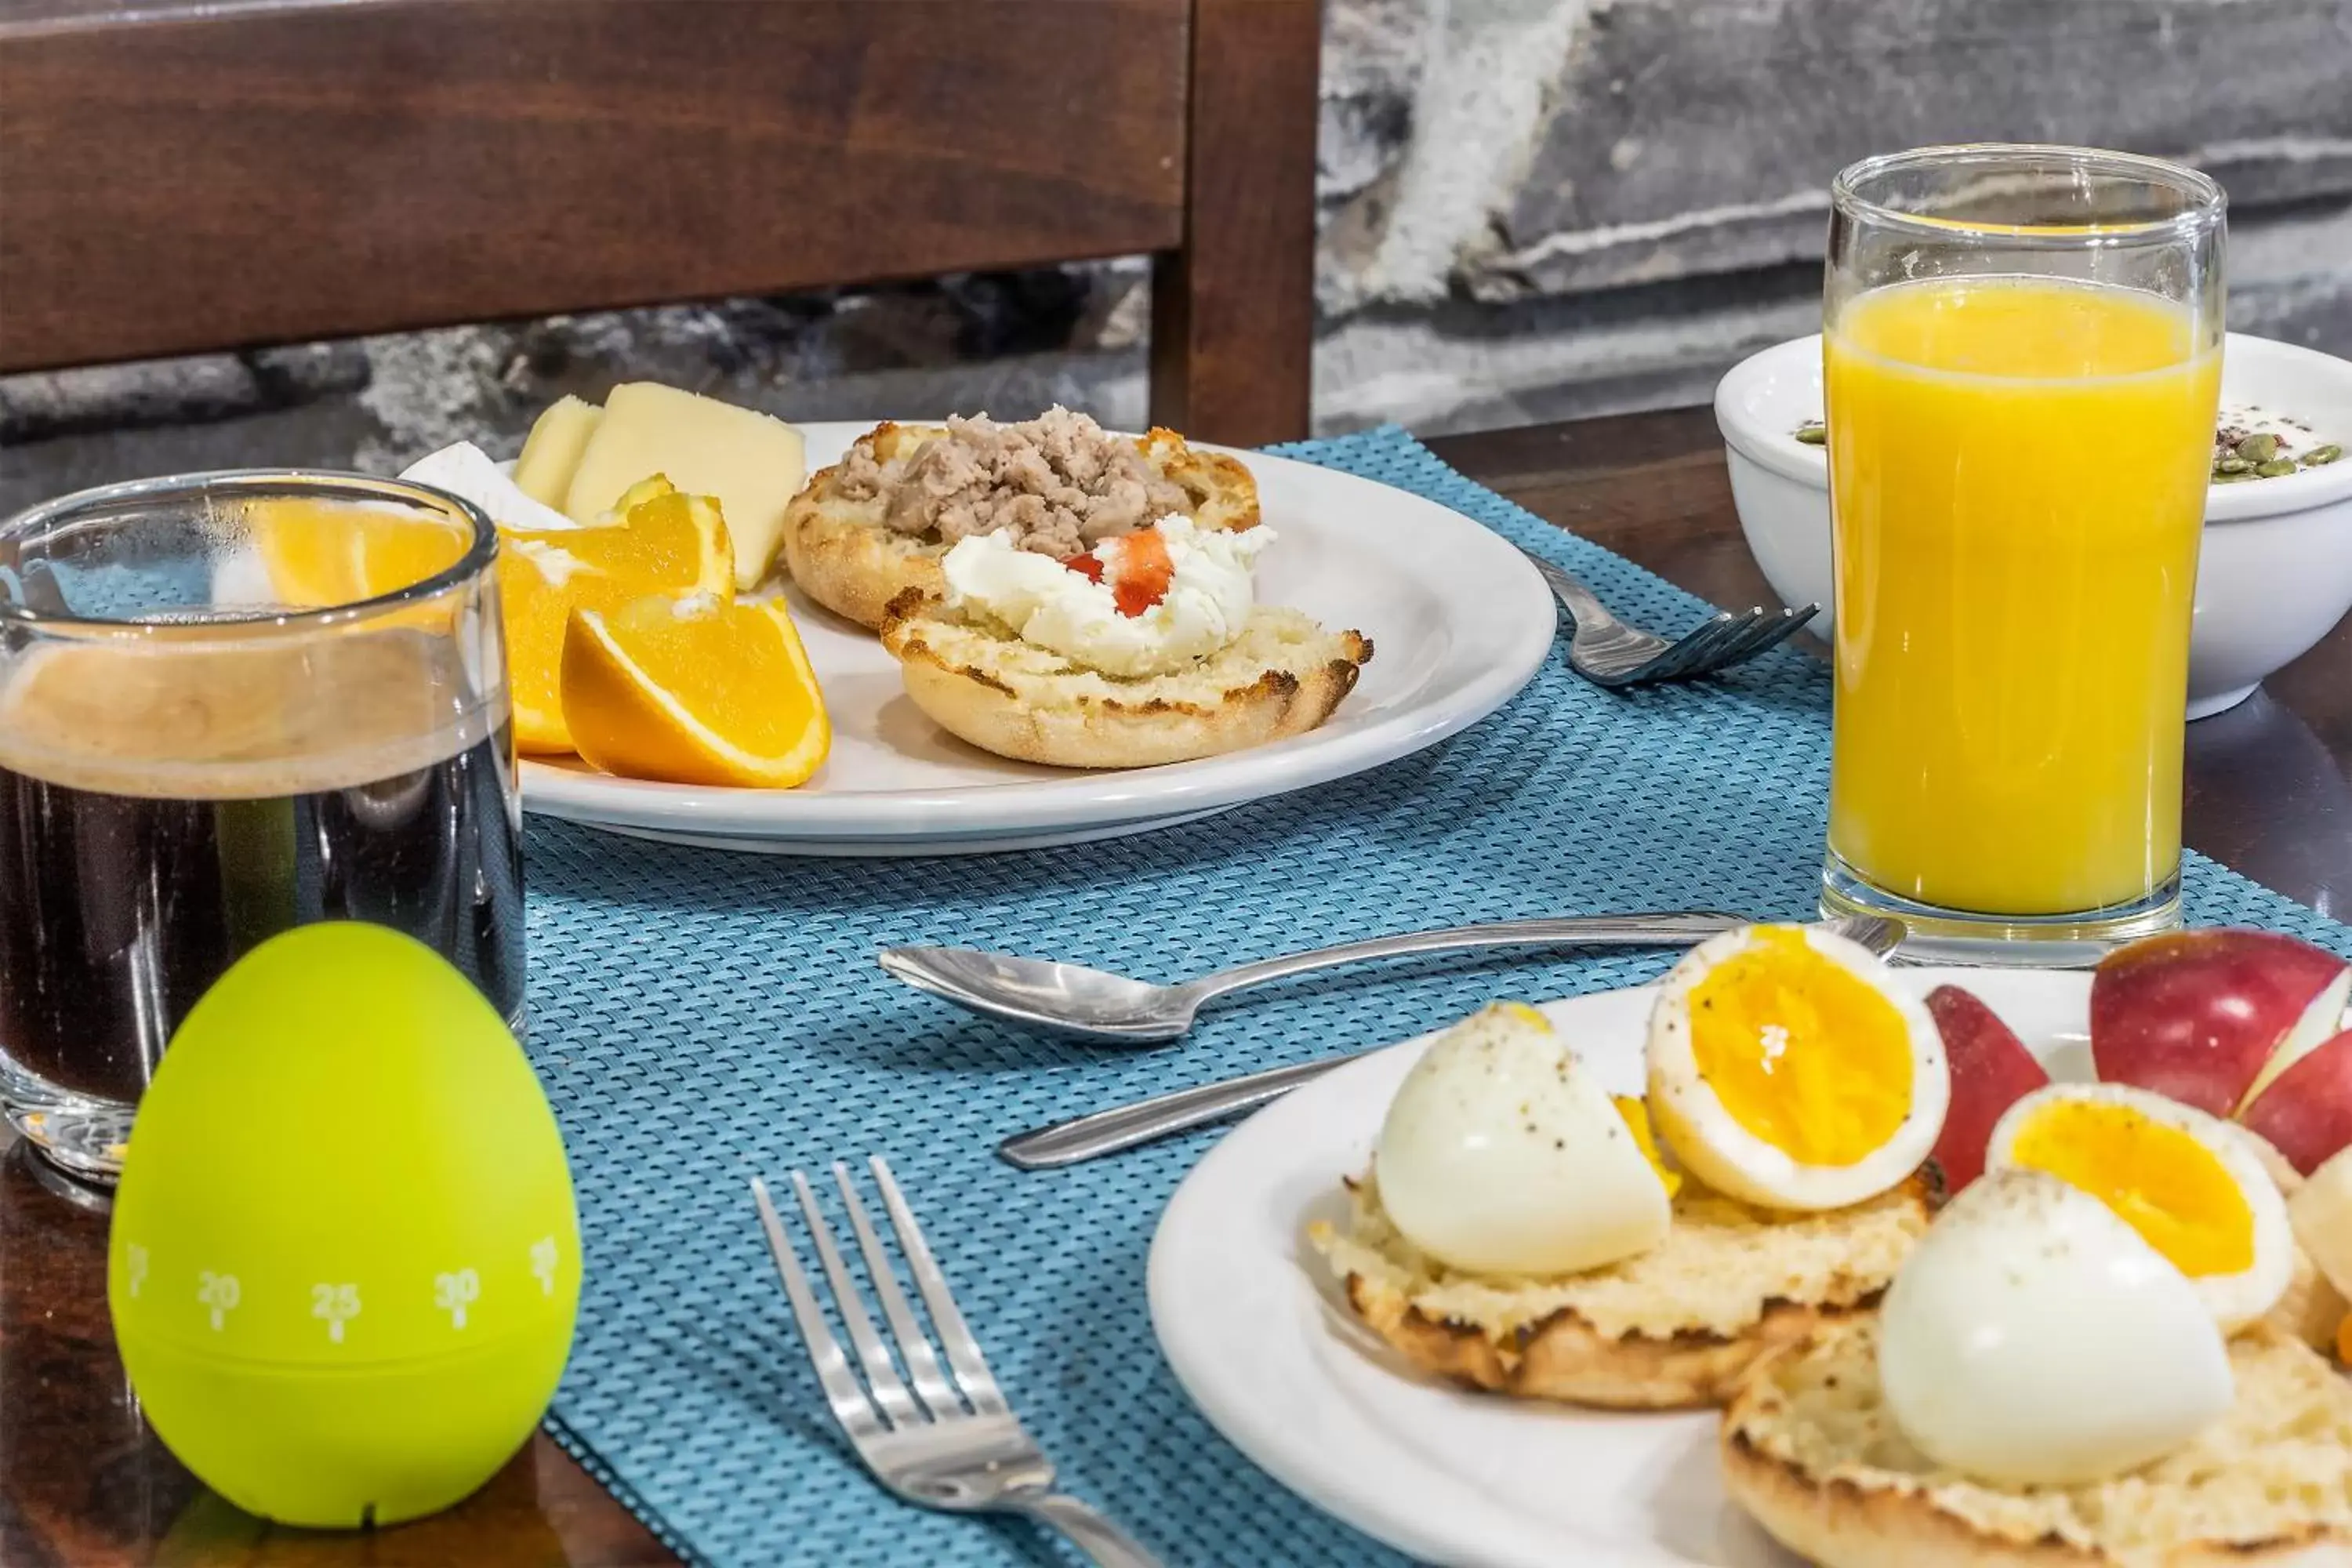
(1528, 209)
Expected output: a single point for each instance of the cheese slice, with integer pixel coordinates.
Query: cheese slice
(551, 455)
(751, 464)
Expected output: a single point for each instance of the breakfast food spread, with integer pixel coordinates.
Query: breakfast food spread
(1509, 1234)
(875, 524)
(1148, 648)
(1063, 594)
(1957, 1314)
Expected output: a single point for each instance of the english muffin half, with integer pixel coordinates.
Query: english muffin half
(1809, 1448)
(1675, 1327)
(1060, 478)
(1283, 676)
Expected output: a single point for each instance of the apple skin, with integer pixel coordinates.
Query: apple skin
(1992, 1071)
(2306, 1111)
(2196, 1014)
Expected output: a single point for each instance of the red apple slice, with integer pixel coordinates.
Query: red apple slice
(1992, 1071)
(2212, 1017)
(2307, 1111)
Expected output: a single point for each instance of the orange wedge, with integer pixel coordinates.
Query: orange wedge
(322, 554)
(671, 543)
(692, 691)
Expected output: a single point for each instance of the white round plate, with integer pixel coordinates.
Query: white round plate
(1458, 619)
(1252, 1326)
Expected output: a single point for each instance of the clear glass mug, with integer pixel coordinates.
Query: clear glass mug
(2022, 369)
(231, 704)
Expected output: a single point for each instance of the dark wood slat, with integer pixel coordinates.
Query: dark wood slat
(332, 169)
(1233, 315)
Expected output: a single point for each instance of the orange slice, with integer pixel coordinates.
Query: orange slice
(692, 691)
(670, 542)
(322, 554)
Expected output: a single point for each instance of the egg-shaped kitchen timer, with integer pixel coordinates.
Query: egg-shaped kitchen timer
(345, 1259)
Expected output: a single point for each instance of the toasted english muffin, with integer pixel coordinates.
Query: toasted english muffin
(1809, 1448)
(847, 558)
(1283, 676)
(1675, 1327)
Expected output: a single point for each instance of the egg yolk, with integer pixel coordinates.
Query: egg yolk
(2160, 1180)
(1801, 1051)
(1636, 1113)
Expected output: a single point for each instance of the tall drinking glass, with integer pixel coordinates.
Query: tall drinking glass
(231, 704)
(2021, 363)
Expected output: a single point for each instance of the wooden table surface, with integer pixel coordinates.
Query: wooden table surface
(83, 1483)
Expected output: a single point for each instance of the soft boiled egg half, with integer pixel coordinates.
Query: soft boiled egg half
(2033, 1338)
(2190, 1183)
(1500, 1155)
(1787, 1068)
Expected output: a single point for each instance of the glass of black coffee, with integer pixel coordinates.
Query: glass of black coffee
(231, 704)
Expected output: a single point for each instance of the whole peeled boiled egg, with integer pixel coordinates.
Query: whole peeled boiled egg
(2033, 1338)
(2190, 1183)
(1789, 1069)
(1500, 1155)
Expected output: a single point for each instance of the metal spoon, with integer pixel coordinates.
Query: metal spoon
(1130, 1126)
(1073, 1000)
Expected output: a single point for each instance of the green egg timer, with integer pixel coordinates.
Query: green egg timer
(344, 1260)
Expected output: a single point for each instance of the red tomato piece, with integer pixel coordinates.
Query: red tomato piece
(1144, 570)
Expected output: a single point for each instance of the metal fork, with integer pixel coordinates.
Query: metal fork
(955, 1445)
(1607, 652)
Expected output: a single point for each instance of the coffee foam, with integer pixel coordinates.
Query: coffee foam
(238, 720)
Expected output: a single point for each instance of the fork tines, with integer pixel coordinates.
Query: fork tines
(882, 1403)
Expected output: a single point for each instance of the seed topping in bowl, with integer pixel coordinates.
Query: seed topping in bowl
(2248, 444)
(2252, 444)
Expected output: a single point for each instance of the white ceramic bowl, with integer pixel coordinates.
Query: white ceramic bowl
(2276, 571)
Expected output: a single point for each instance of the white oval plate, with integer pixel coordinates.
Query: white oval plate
(1458, 619)
(1253, 1328)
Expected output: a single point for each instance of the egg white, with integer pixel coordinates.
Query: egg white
(1500, 1155)
(1712, 1144)
(2033, 1338)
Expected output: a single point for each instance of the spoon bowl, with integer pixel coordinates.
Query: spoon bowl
(1043, 994)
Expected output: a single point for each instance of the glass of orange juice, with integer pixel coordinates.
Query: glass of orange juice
(2021, 359)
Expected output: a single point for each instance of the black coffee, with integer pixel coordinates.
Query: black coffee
(162, 814)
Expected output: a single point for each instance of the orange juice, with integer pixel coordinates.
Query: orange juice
(2018, 471)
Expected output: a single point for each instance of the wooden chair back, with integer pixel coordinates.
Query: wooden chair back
(178, 177)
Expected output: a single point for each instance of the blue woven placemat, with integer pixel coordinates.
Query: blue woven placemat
(700, 1016)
